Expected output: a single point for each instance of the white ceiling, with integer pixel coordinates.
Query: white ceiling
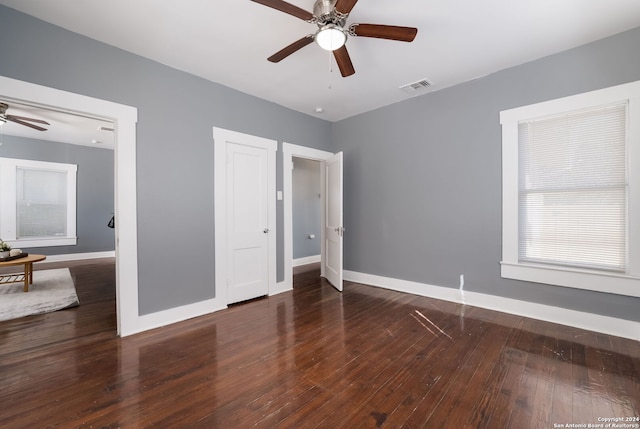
(228, 41)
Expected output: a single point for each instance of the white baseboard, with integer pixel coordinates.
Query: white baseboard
(280, 288)
(80, 256)
(577, 319)
(307, 260)
(185, 312)
(174, 315)
(180, 314)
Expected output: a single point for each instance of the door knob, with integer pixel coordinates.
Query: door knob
(266, 230)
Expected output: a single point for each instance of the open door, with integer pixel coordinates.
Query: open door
(333, 227)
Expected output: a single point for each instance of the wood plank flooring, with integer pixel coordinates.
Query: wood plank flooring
(311, 358)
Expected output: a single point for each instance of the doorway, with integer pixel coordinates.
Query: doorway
(124, 118)
(306, 201)
(328, 235)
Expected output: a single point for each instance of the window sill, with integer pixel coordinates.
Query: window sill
(619, 284)
(44, 242)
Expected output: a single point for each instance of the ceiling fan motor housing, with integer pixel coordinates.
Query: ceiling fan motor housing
(325, 13)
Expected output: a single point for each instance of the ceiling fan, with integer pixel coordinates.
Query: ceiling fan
(4, 117)
(330, 17)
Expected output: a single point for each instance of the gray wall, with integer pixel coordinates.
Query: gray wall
(423, 177)
(176, 114)
(306, 207)
(94, 189)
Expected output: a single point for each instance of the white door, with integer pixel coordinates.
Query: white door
(333, 228)
(247, 223)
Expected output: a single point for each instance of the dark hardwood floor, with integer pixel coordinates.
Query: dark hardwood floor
(311, 358)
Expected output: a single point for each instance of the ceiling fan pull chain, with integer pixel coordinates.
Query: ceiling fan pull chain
(330, 69)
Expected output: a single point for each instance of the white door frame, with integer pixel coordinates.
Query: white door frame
(126, 230)
(289, 151)
(221, 136)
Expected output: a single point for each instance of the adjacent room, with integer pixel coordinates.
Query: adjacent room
(320, 214)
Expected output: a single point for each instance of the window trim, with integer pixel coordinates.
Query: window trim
(8, 206)
(602, 281)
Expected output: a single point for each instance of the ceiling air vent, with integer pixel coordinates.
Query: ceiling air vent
(414, 87)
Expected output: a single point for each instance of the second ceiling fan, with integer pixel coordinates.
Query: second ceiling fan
(5, 117)
(330, 16)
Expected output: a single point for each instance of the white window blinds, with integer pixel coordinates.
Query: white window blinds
(573, 189)
(41, 197)
(37, 203)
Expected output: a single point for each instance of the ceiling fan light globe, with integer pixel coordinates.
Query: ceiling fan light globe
(330, 37)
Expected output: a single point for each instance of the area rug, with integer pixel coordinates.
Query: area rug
(51, 290)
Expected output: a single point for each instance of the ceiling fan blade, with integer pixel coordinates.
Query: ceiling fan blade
(294, 47)
(26, 124)
(344, 61)
(391, 32)
(285, 7)
(345, 6)
(23, 118)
